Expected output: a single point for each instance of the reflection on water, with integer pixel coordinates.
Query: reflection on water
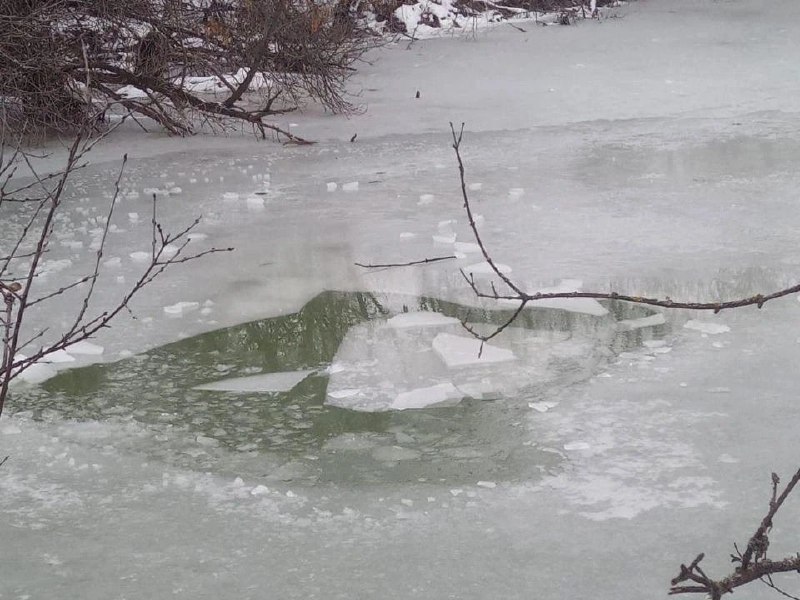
(294, 434)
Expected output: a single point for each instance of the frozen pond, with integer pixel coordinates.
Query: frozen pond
(280, 423)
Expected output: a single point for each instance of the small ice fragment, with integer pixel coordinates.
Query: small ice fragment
(350, 187)
(175, 191)
(474, 187)
(179, 308)
(421, 319)
(339, 394)
(86, 348)
(479, 220)
(230, 196)
(259, 490)
(113, 262)
(577, 446)
(238, 482)
(515, 193)
(133, 217)
(446, 225)
(291, 494)
(140, 256)
(707, 327)
(206, 441)
(543, 406)
(406, 502)
(651, 321)
(487, 484)
(331, 185)
(407, 234)
(458, 351)
(267, 382)
(125, 354)
(484, 268)
(719, 390)
(425, 199)
(727, 458)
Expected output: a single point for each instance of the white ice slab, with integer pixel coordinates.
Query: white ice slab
(266, 382)
(459, 351)
(86, 348)
(651, 321)
(420, 319)
(443, 394)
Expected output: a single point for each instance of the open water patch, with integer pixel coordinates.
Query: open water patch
(347, 390)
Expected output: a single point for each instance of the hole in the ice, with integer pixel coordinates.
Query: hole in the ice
(316, 395)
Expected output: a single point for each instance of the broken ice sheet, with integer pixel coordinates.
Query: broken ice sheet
(459, 351)
(420, 319)
(267, 382)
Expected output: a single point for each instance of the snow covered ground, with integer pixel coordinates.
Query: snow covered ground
(655, 153)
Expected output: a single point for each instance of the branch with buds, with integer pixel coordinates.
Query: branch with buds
(20, 267)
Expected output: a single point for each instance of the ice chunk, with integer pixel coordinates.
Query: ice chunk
(443, 394)
(259, 490)
(331, 186)
(340, 394)
(420, 319)
(487, 484)
(407, 235)
(707, 327)
(266, 382)
(59, 356)
(179, 308)
(484, 268)
(458, 351)
(651, 321)
(543, 406)
(86, 348)
(133, 217)
(350, 187)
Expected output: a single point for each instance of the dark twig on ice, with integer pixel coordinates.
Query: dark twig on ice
(752, 565)
(405, 264)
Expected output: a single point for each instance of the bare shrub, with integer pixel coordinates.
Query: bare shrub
(64, 62)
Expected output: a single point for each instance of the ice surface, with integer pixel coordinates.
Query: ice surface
(706, 327)
(460, 351)
(672, 181)
(484, 268)
(268, 382)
